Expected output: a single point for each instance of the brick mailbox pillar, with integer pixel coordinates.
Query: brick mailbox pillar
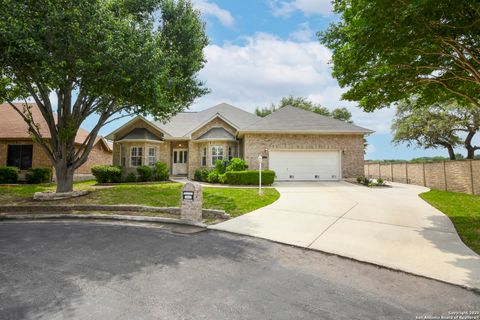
(192, 200)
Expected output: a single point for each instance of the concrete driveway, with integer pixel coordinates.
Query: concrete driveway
(391, 227)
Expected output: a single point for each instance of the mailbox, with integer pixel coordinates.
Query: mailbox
(188, 195)
(192, 199)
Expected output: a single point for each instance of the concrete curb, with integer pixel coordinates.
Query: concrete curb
(115, 217)
(207, 213)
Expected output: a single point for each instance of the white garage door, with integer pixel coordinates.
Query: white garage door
(305, 165)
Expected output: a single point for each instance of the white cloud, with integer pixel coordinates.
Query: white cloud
(303, 34)
(284, 8)
(370, 149)
(265, 68)
(212, 9)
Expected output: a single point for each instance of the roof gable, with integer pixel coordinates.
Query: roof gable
(218, 134)
(185, 123)
(137, 122)
(141, 134)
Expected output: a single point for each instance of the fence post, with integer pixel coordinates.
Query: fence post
(424, 176)
(471, 176)
(406, 172)
(445, 175)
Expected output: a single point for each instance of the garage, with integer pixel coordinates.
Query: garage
(291, 165)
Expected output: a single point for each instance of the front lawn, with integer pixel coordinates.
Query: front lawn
(235, 201)
(24, 192)
(464, 211)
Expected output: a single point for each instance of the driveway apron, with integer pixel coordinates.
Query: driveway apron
(391, 227)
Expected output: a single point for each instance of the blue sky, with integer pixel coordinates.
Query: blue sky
(262, 50)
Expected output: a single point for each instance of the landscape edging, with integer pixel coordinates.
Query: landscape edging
(207, 213)
(101, 217)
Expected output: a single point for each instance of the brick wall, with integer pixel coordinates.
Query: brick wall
(39, 158)
(163, 153)
(195, 148)
(98, 155)
(455, 176)
(352, 146)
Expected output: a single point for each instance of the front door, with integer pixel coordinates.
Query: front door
(180, 161)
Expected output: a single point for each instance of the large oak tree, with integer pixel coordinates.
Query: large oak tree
(101, 58)
(385, 51)
(441, 125)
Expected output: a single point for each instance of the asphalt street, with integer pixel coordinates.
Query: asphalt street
(92, 270)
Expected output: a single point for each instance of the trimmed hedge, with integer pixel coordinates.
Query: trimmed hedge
(107, 174)
(145, 173)
(213, 176)
(8, 174)
(38, 175)
(249, 177)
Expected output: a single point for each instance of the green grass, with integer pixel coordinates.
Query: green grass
(464, 211)
(13, 193)
(235, 201)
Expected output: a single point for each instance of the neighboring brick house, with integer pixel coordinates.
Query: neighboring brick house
(18, 149)
(296, 144)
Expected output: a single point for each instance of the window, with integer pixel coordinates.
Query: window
(203, 156)
(136, 154)
(231, 151)
(152, 156)
(20, 156)
(217, 154)
(180, 156)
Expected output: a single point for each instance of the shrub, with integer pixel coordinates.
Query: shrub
(360, 179)
(131, 177)
(8, 174)
(144, 173)
(38, 175)
(201, 174)
(161, 172)
(237, 164)
(213, 176)
(107, 174)
(221, 165)
(222, 178)
(380, 182)
(249, 177)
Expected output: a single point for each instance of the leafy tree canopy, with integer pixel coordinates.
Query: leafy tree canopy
(385, 51)
(305, 104)
(100, 58)
(446, 125)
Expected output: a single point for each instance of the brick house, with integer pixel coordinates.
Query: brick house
(18, 149)
(296, 144)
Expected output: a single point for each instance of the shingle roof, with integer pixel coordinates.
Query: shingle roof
(140, 134)
(12, 126)
(183, 123)
(217, 134)
(298, 120)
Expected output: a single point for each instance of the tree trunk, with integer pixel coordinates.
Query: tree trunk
(451, 152)
(468, 145)
(64, 176)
